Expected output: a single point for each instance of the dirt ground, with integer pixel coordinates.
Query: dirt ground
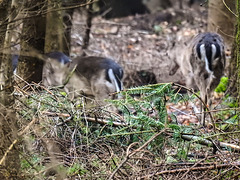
(141, 42)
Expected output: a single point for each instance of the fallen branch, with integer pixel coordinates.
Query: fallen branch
(102, 121)
(209, 143)
(210, 167)
(90, 119)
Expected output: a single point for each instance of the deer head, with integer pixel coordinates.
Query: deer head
(55, 68)
(99, 77)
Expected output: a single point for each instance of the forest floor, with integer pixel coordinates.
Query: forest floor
(142, 45)
(141, 42)
(66, 140)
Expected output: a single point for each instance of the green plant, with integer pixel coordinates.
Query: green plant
(92, 136)
(76, 168)
(222, 86)
(144, 109)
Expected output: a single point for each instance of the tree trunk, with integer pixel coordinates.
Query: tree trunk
(55, 39)
(86, 37)
(6, 71)
(67, 20)
(222, 20)
(9, 153)
(234, 68)
(9, 157)
(32, 39)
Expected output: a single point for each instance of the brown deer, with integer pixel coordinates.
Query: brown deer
(202, 63)
(92, 76)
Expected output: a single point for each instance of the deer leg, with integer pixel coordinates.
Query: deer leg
(191, 83)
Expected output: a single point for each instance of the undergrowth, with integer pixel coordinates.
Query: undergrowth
(79, 139)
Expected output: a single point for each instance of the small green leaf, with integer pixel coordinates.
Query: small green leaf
(63, 93)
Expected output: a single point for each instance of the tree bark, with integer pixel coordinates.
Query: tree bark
(222, 20)
(9, 157)
(6, 71)
(55, 39)
(234, 68)
(67, 20)
(32, 39)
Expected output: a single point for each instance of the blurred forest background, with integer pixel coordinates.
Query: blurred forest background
(46, 135)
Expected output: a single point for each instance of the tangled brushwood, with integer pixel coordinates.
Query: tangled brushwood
(77, 139)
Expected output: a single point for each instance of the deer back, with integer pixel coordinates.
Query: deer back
(98, 76)
(208, 59)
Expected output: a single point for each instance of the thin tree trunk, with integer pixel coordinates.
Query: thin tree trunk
(9, 157)
(6, 71)
(234, 74)
(86, 38)
(33, 33)
(55, 39)
(67, 20)
(222, 20)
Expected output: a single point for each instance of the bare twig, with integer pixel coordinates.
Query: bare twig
(229, 8)
(90, 119)
(15, 141)
(190, 115)
(130, 154)
(175, 171)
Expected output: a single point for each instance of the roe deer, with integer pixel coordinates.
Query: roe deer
(202, 63)
(93, 76)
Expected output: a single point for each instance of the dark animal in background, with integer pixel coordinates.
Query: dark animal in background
(115, 8)
(202, 62)
(140, 78)
(92, 76)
